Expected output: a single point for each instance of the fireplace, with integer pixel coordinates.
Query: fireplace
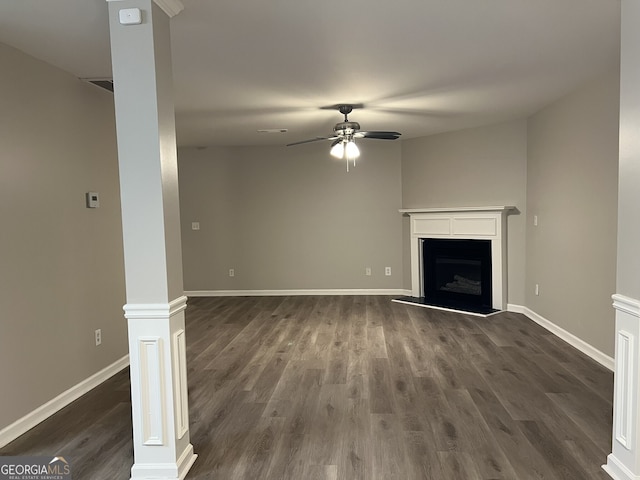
(457, 273)
(479, 230)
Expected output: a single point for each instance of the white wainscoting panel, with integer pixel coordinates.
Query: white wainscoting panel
(625, 370)
(152, 390)
(180, 383)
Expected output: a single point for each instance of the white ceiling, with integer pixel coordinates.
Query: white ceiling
(418, 66)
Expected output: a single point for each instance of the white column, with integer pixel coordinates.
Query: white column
(141, 57)
(624, 461)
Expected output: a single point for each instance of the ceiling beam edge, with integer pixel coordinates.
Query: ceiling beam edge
(170, 7)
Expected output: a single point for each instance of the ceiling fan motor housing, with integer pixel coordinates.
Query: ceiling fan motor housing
(346, 128)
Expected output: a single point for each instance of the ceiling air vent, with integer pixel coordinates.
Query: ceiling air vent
(105, 83)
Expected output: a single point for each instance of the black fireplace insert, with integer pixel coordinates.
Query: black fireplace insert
(457, 273)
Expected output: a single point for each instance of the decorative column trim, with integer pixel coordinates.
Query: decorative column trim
(152, 392)
(180, 383)
(624, 391)
(154, 311)
(626, 304)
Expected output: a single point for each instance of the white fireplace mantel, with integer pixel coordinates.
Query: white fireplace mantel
(482, 223)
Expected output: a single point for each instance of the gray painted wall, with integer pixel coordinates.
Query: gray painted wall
(61, 268)
(474, 167)
(291, 218)
(572, 180)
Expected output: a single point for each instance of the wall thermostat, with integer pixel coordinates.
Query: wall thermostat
(93, 200)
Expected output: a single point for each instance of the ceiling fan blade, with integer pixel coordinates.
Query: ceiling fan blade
(379, 135)
(317, 139)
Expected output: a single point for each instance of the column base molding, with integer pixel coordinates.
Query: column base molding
(166, 471)
(617, 470)
(623, 462)
(159, 394)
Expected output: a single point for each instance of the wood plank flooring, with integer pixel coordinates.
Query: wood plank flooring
(348, 388)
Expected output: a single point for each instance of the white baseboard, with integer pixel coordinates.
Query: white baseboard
(589, 350)
(26, 423)
(282, 293)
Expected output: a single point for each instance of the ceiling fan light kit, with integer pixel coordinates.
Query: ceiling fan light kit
(337, 149)
(345, 133)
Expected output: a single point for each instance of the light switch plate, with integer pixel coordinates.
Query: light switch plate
(93, 199)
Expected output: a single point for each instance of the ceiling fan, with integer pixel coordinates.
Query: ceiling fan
(345, 133)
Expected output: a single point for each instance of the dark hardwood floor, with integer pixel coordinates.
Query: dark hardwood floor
(349, 388)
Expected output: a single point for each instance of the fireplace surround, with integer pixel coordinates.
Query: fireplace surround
(461, 223)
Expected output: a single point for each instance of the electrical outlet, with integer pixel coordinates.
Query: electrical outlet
(98, 336)
(537, 289)
(387, 271)
(195, 225)
(367, 271)
(232, 272)
(535, 220)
